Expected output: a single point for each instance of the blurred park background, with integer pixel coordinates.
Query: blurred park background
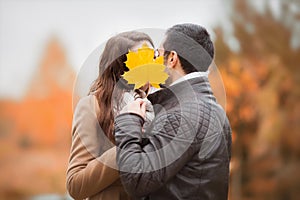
(44, 43)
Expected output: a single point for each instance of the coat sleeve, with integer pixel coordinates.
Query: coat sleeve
(87, 174)
(145, 168)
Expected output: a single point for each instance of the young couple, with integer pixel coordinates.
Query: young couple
(185, 150)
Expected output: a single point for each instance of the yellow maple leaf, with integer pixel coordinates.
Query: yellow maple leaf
(144, 68)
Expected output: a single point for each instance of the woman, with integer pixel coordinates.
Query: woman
(92, 172)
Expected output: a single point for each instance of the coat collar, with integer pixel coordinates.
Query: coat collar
(184, 90)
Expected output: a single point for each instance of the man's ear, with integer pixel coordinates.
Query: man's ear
(172, 59)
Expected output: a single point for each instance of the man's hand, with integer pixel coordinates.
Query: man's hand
(138, 107)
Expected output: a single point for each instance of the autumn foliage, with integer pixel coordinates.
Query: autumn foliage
(35, 131)
(262, 86)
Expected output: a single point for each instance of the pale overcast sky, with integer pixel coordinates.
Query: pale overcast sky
(81, 26)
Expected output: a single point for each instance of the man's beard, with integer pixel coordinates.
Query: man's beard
(168, 82)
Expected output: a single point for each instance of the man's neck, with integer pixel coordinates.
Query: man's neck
(176, 78)
(177, 75)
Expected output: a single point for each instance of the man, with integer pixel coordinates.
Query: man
(187, 149)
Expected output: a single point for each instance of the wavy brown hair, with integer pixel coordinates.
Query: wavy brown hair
(111, 67)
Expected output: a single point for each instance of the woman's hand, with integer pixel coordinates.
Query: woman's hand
(138, 107)
(142, 92)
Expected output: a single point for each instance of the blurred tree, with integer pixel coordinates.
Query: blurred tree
(261, 82)
(35, 131)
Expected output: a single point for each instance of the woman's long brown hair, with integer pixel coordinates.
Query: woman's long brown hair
(111, 67)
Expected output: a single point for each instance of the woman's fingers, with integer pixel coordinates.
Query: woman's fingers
(137, 106)
(143, 108)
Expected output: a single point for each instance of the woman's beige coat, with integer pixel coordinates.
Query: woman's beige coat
(92, 170)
